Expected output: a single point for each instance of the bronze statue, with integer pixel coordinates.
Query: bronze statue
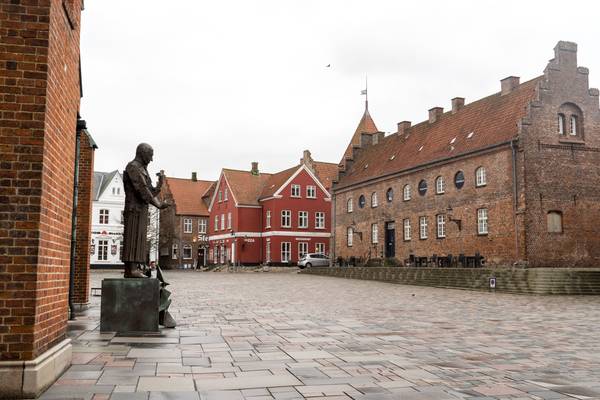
(139, 192)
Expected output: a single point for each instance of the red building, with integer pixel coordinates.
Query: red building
(260, 218)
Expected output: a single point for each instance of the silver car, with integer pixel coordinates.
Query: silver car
(313, 259)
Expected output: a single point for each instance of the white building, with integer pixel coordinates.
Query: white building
(107, 222)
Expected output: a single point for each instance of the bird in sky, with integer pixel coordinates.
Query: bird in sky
(328, 66)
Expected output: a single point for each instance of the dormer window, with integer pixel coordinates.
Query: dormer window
(561, 124)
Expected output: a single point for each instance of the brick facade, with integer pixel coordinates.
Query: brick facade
(39, 85)
(533, 173)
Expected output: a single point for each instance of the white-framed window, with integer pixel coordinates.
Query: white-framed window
(441, 225)
(374, 200)
(174, 250)
(226, 194)
(349, 237)
(555, 222)
(561, 124)
(103, 250)
(286, 251)
(286, 218)
(482, 221)
(216, 222)
(320, 248)
(374, 233)
(440, 186)
(302, 219)
(480, 177)
(319, 220)
(220, 196)
(311, 192)
(422, 227)
(187, 251)
(187, 225)
(268, 219)
(104, 216)
(202, 225)
(406, 193)
(222, 254)
(295, 190)
(302, 249)
(222, 221)
(268, 250)
(573, 126)
(228, 220)
(349, 205)
(407, 230)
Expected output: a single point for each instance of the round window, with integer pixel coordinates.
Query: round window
(361, 201)
(459, 179)
(422, 187)
(389, 195)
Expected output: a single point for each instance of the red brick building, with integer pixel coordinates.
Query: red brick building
(257, 217)
(40, 91)
(183, 240)
(513, 176)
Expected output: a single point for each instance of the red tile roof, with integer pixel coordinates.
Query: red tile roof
(326, 172)
(366, 125)
(187, 195)
(483, 123)
(246, 187)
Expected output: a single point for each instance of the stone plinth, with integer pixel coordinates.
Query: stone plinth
(129, 305)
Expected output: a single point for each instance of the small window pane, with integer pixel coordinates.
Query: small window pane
(422, 187)
(555, 222)
(406, 192)
(561, 124)
(374, 201)
(459, 179)
(389, 194)
(361, 201)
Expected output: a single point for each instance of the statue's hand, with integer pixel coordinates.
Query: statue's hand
(165, 204)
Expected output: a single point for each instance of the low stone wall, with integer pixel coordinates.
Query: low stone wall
(508, 280)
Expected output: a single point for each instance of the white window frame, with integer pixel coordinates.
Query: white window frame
(374, 200)
(104, 216)
(187, 225)
(103, 249)
(225, 194)
(216, 222)
(295, 190)
(482, 221)
(423, 227)
(573, 122)
(286, 252)
(174, 251)
(319, 220)
(320, 248)
(311, 192)
(229, 220)
(407, 229)
(406, 192)
(286, 218)
(350, 205)
(480, 177)
(303, 219)
(440, 185)
(302, 249)
(202, 225)
(268, 219)
(440, 226)
(561, 124)
(349, 237)
(186, 247)
(222, 222)
(374, 233)
(220, 196)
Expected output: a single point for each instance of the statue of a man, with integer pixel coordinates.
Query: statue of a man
(139, 192)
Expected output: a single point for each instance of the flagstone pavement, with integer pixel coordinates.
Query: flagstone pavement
(289, 336)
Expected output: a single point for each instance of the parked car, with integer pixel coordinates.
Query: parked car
(313, 259)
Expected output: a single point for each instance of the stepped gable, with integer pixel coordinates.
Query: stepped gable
(187, 195)
(245, 186)
(489, 121)
(366, 125)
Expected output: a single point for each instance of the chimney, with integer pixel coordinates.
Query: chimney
(508, 84)
(435, 113)
(254, 169)
(457, 104)
(194, 177)
(403, 127)
(565, 54)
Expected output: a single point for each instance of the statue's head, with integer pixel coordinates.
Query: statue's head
(144, 153)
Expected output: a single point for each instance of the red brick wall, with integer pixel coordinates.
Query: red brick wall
(39, 85)
(84, 222)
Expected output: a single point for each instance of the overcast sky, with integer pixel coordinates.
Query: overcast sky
(212, 84)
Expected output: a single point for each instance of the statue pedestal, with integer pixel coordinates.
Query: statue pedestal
(129, 305)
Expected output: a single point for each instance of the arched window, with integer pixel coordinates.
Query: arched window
(389, 195)
(574, 126)
(561, 124)
(349, 205)
(459, 179)
(440, 186)
(480, 177)
(554, 220)
(422, 187)
(406, 192)
(374, 201)
(361, 201)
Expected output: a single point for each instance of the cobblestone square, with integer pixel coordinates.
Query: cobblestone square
(292, 336)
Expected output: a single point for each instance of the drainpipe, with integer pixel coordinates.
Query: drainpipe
(81, 125)
(332, 239)
(515, 197)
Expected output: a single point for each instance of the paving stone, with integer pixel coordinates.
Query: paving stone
(174, 396)
(165, 384)
(251, 382)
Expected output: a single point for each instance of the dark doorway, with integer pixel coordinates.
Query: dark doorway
(390, 239)
(201, 257)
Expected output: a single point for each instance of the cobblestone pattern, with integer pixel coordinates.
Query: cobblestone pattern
(289, 336)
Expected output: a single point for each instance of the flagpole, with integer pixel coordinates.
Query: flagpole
(366, 91)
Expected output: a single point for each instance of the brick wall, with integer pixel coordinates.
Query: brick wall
(84, 221)
(39, 85)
